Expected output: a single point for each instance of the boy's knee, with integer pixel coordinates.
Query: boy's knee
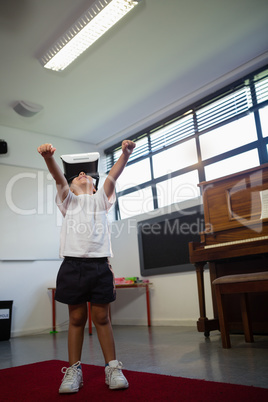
(100, 319)
(77, 319)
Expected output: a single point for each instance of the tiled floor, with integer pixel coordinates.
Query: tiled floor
(177, 351)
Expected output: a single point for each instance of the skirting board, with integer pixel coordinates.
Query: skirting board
(154, 323)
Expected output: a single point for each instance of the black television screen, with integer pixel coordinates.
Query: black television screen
(163, 241)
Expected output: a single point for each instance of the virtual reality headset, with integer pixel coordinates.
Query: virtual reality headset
(76, 163)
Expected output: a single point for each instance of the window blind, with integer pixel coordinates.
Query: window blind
(172, 133)
(232, 102)
(231, 105)
(142, 149)
(261, 87)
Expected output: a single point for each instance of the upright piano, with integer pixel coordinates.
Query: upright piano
(235, 241)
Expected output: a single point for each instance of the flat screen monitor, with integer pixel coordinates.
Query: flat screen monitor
(163, 241)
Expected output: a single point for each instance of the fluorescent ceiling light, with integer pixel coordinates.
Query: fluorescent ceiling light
(100, 17)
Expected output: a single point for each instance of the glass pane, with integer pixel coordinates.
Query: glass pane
(133, 175)
(178, 189)
(231, 165)
(136, 203)
(264, 121)
(228, 137)
(175, 158)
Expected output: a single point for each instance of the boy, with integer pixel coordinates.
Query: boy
(85, 273)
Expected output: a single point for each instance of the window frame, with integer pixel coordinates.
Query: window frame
(248, 83)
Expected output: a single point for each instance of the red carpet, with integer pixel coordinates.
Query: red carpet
(40, 382)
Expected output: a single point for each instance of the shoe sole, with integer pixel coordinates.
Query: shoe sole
(73, 391)
(118, 387)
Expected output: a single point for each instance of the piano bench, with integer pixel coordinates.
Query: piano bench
(240, 284)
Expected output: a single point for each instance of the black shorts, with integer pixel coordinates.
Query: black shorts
(83, 280)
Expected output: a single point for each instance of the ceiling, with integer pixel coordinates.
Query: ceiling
(159, 57)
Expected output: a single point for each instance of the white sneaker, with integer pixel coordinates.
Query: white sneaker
(114, 376)
(72, 380)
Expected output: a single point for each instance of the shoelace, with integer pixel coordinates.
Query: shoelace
(69, 372)
(116, 370)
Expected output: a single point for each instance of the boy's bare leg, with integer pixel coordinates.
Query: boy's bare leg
(101, 320)
(77, 322)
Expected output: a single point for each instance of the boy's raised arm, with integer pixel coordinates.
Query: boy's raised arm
(47, 151)
(118, 167)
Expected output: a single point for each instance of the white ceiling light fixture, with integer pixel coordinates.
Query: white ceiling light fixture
(27, 109)
(100, 17)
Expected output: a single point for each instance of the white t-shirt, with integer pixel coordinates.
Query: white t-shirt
(85, 229)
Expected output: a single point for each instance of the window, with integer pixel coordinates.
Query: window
(261, 86)
(134, 175)
(222, 134)
(178, 189)
(226, 107)
(175, 158)
(264, 121)
(227, 137)
(173, 132)
(231, 165)
(137, 202)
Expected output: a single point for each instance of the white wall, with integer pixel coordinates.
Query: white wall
(22, 147)
(173, 297)
(26, 282)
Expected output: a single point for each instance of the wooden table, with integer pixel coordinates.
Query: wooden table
(145, 285)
